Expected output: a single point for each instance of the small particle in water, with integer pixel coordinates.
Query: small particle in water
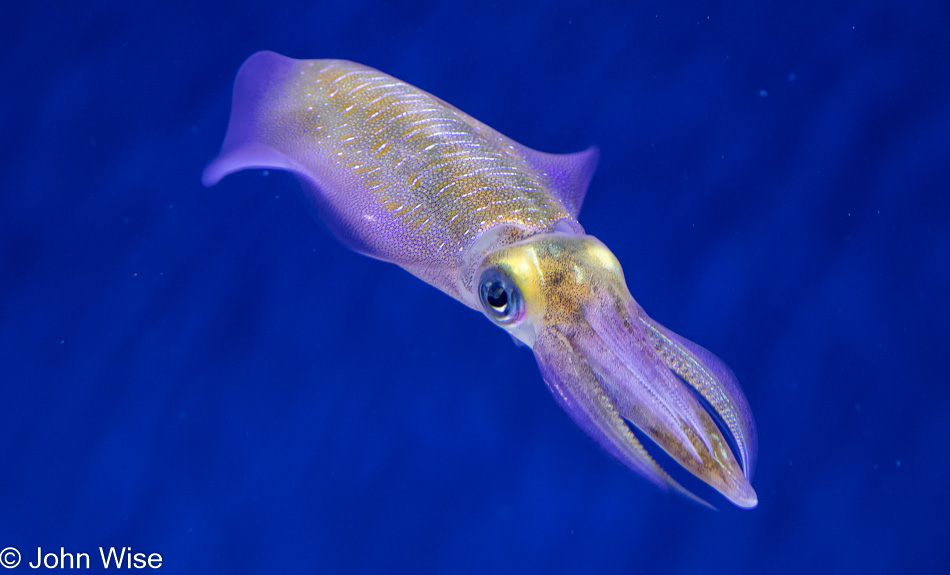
(763, 93)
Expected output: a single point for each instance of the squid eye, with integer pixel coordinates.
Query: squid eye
(500, 297)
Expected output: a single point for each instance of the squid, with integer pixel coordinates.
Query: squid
(399, 175)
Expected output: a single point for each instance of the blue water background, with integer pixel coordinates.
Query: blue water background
(207, 374)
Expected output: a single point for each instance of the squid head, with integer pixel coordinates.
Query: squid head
(608, 363)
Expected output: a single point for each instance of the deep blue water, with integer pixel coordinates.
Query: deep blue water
(206, 374)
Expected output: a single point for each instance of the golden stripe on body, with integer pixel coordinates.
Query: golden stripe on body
(449, 176)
